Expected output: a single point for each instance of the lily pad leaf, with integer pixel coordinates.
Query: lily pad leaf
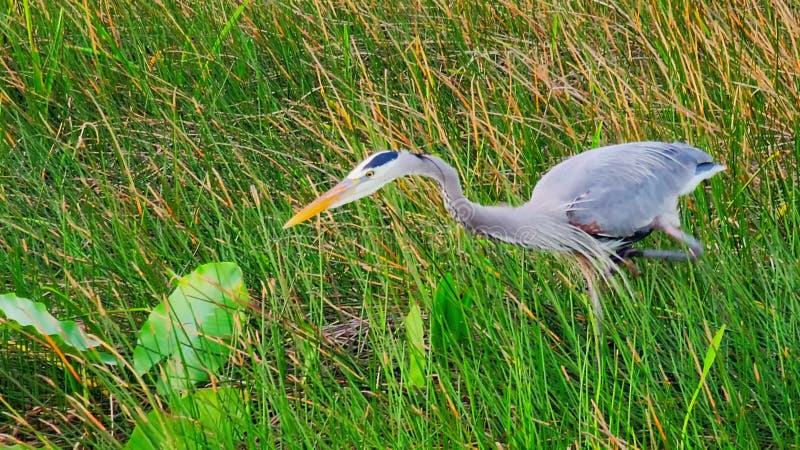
(34, 318)
(207, 418)
(189, 333)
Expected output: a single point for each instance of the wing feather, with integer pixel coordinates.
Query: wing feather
(617, 191)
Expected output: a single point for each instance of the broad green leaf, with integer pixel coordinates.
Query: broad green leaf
(192, 327)
(208, 418)
(219, 412)
(34, 318)
(157, 431)
(448, 324)
(416, 347)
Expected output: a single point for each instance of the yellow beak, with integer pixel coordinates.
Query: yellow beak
(323, 202)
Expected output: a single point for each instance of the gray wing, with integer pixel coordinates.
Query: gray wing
(618, 191)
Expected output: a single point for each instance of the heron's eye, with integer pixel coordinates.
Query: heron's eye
(369, 174)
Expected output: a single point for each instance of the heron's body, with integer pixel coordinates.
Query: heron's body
(619, 190)
(594, 204)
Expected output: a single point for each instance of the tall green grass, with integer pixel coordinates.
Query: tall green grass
(142, 139)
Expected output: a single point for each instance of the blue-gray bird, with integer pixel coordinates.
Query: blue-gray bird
(594, 204)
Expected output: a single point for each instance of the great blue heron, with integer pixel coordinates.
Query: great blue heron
(594, 204)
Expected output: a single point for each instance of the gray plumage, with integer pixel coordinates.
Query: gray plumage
(594, 204)
(623, 188)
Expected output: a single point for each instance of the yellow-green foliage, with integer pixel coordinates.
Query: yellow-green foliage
(140, 139)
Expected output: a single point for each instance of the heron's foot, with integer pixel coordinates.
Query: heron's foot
(631, 267)
(622, 257)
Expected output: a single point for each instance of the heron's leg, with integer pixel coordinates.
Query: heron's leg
(672, 255)
(695, 246)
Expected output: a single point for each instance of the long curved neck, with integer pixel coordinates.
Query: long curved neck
(470, 214)
(531, 225)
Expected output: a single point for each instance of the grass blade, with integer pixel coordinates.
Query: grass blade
(708, 361)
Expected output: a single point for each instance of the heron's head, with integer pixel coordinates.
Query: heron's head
(368, 176)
